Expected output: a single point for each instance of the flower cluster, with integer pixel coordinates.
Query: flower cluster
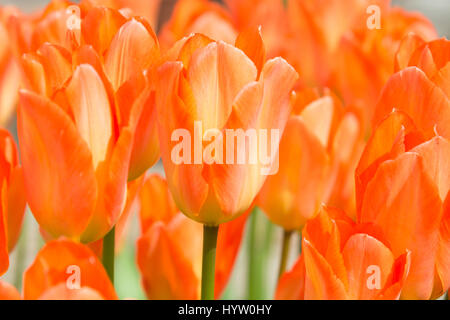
(332, 117)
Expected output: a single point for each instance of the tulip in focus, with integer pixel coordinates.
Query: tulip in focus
(402, 180)
(80, 120)
(432, 57)
(342, 260)
(219, 86)
(169, 252)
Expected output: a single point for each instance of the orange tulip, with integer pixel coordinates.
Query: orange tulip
(12, 197)
(10, 75)
(83, 93)
(8, 292)
(402, 180)
(215, 87)
(197, 16)
(108, 40)
(65, 270)
(148, 9)
(169, 252)
(318, 153)
(342, 260)
(431, 57)
(344, 48)
(226, 22)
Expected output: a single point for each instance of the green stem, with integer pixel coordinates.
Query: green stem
(108, 253)
(259, 242)
(300, 242)
(209, 261)
(284, 251)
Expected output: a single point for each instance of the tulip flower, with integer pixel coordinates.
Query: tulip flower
(318, 154)
(216, 87)
(74, 153)
(343, 260)
(12, 208)
(402, 180)
(105, 34)
(65, 270)
(67, 86)
(169, 251)
(8, 292)
(197, 16)
(321, 138)
(349, 46)
(226, 22)
(147, 9)
(221, 191)
(431, 57)
(10, 75)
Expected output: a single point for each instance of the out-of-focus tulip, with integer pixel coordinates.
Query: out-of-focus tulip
(318, 154)
(403, 179)
(349, 46)
(217, 87)
(12, 196)
(148, 9)
(342, 260)
(8, 292)
(10, 75)
(169, 252)
(226, 22)
(67, 270)
(197, 16)
(432, 57)
(90, 101)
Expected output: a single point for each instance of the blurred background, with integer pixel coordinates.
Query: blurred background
(263, 237)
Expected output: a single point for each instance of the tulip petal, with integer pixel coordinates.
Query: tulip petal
(185, 181)
(295, 192)
(250, 41)
(292, 283)
(4, 257)
(259, 106)
(59, 260)
(91, 110)
(132, 50)
(57, 63)
(443, 254)
(324, 283)
(8, 292)
(156, 203)
(402, 186)
(163, 266)
(100, 26)
(412, 92)
(112, 177)
(61, 292)
(435, 154)
(396, 280)
(57, 167)
(365, 256)
(216, 74)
